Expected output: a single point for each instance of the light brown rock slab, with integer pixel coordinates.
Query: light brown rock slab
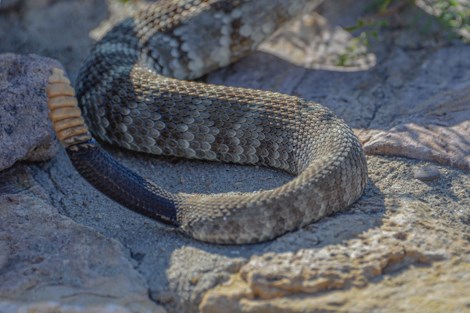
(437, 129)
(48, 263)
(25, 132)
(423, 289)
(313, 42)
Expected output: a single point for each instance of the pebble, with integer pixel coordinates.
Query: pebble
(427, 173)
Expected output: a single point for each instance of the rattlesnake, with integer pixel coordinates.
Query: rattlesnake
(128, 98)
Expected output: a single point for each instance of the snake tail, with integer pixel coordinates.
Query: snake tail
(97, 166)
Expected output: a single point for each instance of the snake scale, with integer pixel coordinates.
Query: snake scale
(134, 91)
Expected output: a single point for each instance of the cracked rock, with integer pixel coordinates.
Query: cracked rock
(25, 132)
(48, 263)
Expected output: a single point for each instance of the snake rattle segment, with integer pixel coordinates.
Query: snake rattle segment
(132, 94)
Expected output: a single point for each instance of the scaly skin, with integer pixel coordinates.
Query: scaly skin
(128, 99)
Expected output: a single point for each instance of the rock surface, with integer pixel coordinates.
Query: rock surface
(25, 132)
(427, 173)
(9, 4)
(66, 247)
(56, 29)
(431, 124)
(48, 263)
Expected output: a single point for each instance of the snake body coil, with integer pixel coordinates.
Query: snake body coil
(128, 99)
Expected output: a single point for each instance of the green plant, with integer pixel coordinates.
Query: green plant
(454, 15)
(380, 6)
(366, 30)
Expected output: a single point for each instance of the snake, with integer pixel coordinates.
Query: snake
(138, 89)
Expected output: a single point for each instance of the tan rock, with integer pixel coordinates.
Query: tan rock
(437, 129)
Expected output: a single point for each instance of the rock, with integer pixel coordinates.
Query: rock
(45, 27)
(426, 173)
(313, 42)
(436, 129)
(117, 11)
(25, 132)
(9, 4)
(50, 263)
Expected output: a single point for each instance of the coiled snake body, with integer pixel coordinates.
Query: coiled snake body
(128, 98)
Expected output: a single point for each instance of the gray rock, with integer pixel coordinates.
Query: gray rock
(426, 173)
(432, 123)
(49, 263)
(56, 29)
(9, 4)
(25, 132)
